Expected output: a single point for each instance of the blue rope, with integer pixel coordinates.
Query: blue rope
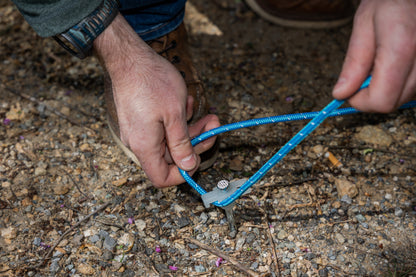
(317, 118)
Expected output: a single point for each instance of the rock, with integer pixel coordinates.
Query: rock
(127, 240)
(120, 182)
(398, 211)
(140, 224)
(282, 234)
(323, 272)
(332, 255)
(76, 241)
(94, 238)
(107, 255)
(340, 238)
(37, 241)
(310, 256)
(9, 233)
(39, 171)
(236, 164)
(54, 265)
(109, 243)
(85, 147)
(203, 218)
(346, 199)
(85, 269)
(345, 187)
(61, 189)
(182, 221)
(200, 268)
(318, 149)
(360, 218)
(178, 209)
(374, 135)
(240, 243)
(336, 204)
(103, 234)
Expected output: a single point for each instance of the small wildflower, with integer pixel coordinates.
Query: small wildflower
(44, 245)
(401, 161)
(6, 121)
(289, 99)
(131, 220)
(174, 268)
(213, 109)
(219, 261)
(157, 249)
(21, 137)
(62, 205)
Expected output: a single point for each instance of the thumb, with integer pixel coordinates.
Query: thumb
(360, 55)
(179, 144)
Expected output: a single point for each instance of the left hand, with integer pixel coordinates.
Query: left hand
(383, 43)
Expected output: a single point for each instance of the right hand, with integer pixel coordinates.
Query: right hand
(152, 105)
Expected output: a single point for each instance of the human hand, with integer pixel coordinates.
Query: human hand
(383, 43)
(152, 105)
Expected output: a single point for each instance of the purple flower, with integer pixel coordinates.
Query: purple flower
(6, 121)
(131, 220)
(44, 245)
(401, 161)
(157, 249)
(62, 205)
(219, 261)
(21, 137)
(289, 99)
(174, 268)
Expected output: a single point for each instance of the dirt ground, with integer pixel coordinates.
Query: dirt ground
(71, 204)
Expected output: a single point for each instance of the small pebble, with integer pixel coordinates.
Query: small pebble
(200, 268)
(37, 241)
(109, 243)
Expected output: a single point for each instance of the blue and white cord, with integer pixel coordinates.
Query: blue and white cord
(317, 118)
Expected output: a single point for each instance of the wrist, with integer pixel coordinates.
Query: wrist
(118, 48)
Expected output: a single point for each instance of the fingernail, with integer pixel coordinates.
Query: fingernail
(339, 85)
(189, 162)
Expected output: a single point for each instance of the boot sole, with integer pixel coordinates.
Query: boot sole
(307, 24)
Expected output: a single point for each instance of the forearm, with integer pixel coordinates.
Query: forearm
(120, 48)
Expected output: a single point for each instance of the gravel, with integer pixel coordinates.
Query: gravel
(54, 173)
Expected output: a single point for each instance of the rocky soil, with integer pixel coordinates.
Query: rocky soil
(71, 204)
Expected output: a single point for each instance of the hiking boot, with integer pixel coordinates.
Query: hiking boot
(317, 14)
(173, 47)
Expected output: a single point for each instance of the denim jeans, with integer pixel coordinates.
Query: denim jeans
(151, 19)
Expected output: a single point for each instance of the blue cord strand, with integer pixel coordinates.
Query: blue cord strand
(317, 118)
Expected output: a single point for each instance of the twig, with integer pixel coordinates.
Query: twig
(337, 222)
(269, 234)
(76, 184)
(56, 112)
(224, 256)
(309, 204)
(70, 230)
(112, 224)
(298, 182)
